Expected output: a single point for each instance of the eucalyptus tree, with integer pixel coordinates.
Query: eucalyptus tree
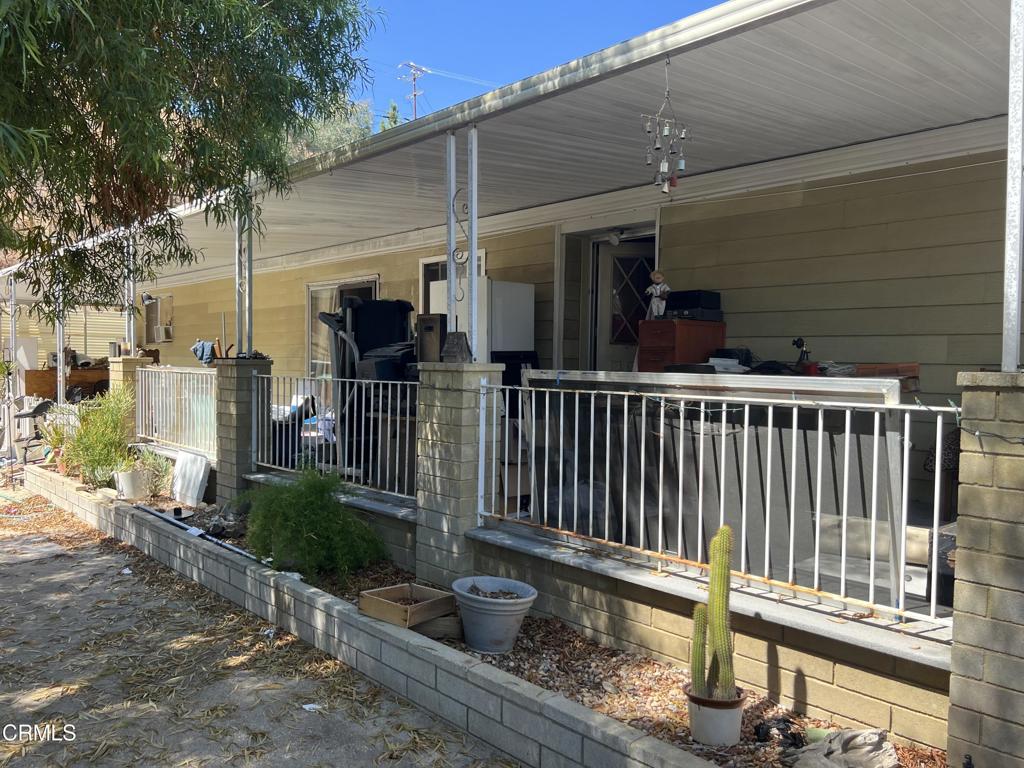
(113, 112)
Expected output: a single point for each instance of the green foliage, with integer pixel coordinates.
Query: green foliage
(7, 369)
(113, 111)
(711, 628)
(392, 119)
(303, 527)
(100, 444)
(352, 123)
(159, 470)
(58, 427)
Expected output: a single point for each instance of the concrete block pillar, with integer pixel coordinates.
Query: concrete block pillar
(234, 423)
(986, 691)
(123, 370)
(447, 460)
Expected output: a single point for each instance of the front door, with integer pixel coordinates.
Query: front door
(622, 275)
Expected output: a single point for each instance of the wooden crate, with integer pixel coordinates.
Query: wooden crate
(442, 628)
(383, 604)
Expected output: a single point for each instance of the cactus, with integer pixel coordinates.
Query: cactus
(711, 628)
(697, 648)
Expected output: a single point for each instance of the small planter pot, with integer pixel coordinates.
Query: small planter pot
(131, 484)
(491, 624)
(715, 722)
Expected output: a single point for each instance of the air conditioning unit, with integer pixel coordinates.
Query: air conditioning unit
(162, 333)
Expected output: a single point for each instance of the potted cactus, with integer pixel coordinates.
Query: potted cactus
(715, 703)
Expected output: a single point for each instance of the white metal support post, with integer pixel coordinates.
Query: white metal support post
(248, 283)
(472, 265)
(12, 381)
(239, 288)
(451, 224)
(129, 298)
(12, 330)
(61, 375)
(1014, 171)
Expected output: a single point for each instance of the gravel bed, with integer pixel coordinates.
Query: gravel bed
(648, 695)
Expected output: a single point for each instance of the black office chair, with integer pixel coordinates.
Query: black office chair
(286, 445)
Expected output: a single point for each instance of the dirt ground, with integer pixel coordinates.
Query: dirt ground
(151, 669)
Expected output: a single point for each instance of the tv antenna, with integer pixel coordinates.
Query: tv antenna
(416, 71)
(413, 76)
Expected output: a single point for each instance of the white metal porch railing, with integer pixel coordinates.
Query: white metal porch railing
(363, 430)
(825, 499)
(177, 407)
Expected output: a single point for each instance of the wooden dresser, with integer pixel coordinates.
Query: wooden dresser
(666, 342)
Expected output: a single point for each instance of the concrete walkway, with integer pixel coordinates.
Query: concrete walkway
(150, 669)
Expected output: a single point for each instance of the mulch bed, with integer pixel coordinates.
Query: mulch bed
(648, 694)
(634, 689)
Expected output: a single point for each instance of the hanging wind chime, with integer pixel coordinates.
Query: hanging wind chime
(665, 137)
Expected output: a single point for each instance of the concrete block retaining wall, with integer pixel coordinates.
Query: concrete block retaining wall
(399, 537)
(535, 726)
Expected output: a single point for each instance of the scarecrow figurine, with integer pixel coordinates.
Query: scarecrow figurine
(658, 290)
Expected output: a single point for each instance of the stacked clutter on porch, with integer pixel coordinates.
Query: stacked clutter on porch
(690, 337)
(371, 341)
(687, 336)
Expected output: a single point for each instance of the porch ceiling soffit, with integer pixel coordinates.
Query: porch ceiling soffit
(802, 78)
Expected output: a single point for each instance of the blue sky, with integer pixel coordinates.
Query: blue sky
(496, 42)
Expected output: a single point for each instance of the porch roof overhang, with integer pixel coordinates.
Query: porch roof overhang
(757, 80)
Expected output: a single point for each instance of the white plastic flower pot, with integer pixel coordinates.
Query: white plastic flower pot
(715, 722)
(131, 484)
(491, 625)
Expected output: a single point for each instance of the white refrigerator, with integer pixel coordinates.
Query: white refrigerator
(504, 315)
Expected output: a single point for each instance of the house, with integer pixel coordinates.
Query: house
(32, 343)
(845, 183)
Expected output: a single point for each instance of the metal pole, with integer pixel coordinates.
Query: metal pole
(239, 287)
(12, 382)
(248, 284)
(61, 378)
(451, 224)
(472, 263)
(1014, 169)
(129, 298)
(13, 331)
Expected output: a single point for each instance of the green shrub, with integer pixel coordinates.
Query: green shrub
(101, 442)
(304, 527)
(159, 469)
(57, 429)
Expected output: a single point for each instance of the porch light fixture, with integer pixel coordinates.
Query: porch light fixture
(665, 137)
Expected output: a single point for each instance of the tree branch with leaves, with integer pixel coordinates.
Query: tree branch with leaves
(113, 112)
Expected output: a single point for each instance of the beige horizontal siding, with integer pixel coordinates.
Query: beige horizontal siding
(87, 331)
(896, 266)
(279, 315)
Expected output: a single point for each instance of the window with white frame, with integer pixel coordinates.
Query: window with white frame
(158, 318)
